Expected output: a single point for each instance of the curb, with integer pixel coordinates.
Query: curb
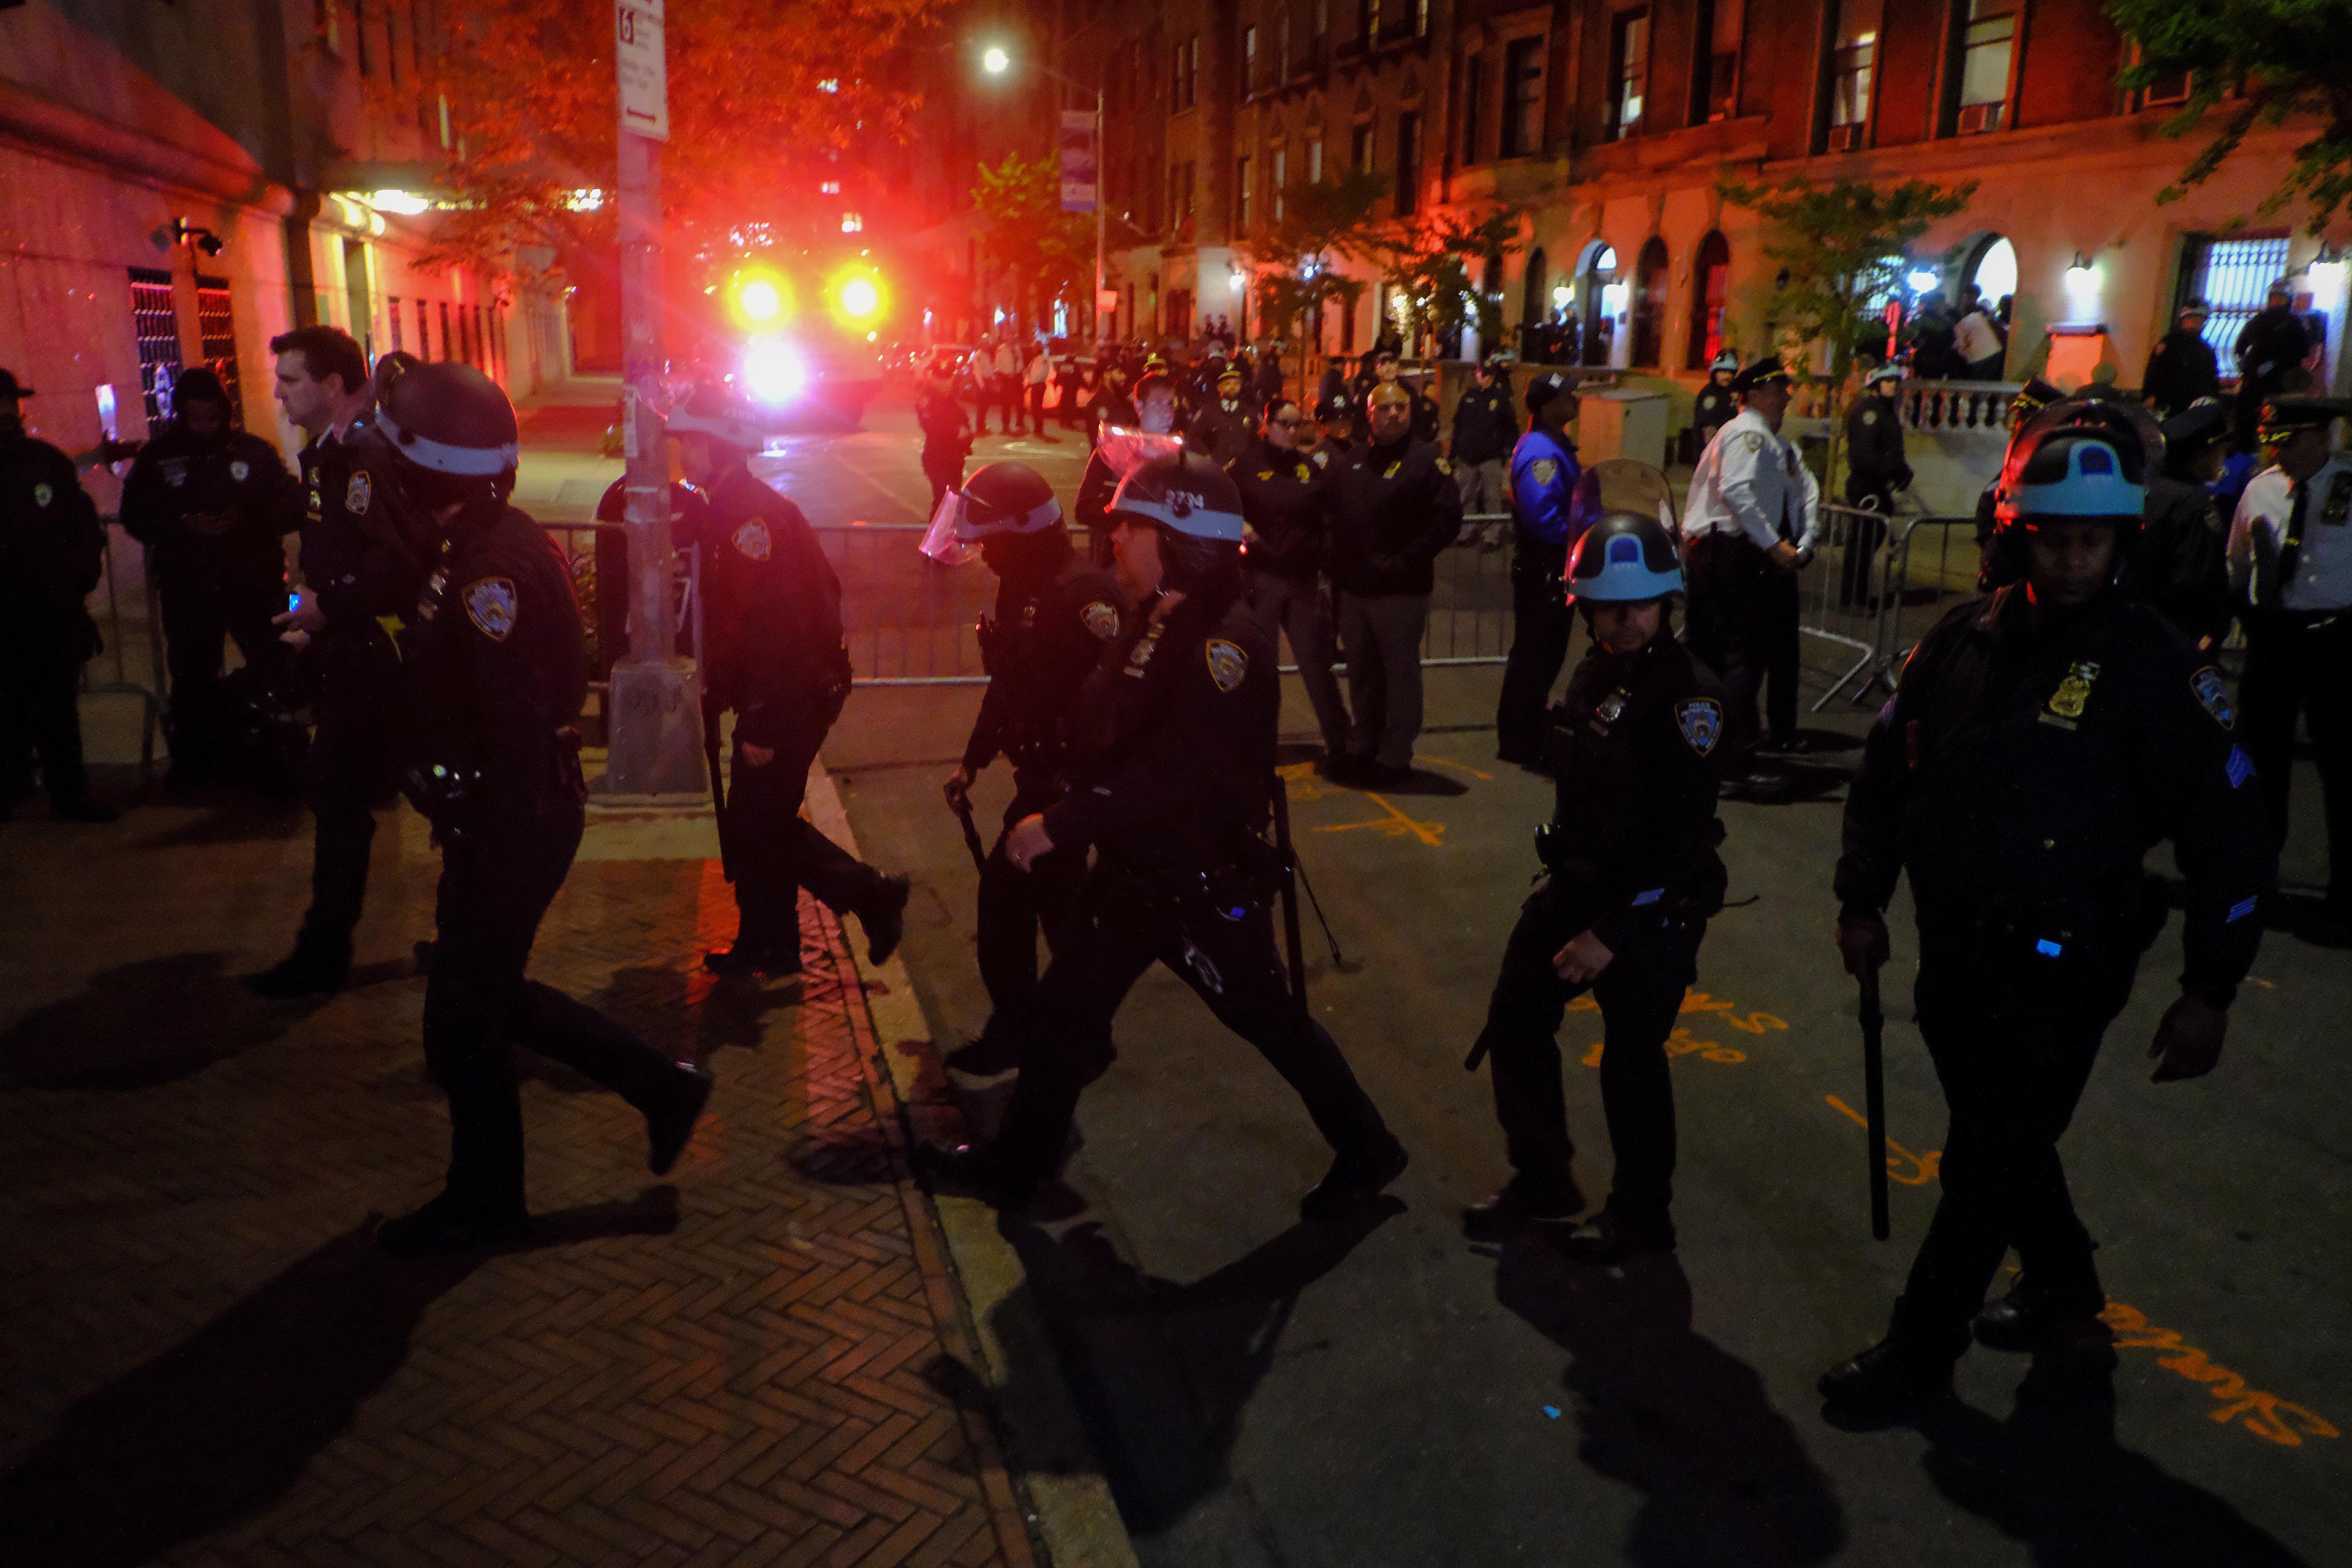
(1069, 1506)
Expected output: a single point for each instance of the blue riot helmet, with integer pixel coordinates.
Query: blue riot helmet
(2077, 461)
(1624, 553)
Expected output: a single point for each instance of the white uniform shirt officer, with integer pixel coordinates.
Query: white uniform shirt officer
(2323, 565)
(1750, 480)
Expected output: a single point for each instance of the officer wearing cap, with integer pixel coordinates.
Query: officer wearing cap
(1630, 878)
(1110, 404)
(1221, 430)
(773, 653)
(1053, 615)
(1715, 404)
(1394, 507)
(2181, 368)
(2031, 399)
(2270, 347)
(2179, 564)
(1485, 424)
(1155, 415)
(1754, 515)
(1066, 382)
(361, 566)
(1544, 475)
(947, 431)
(2290, 561)
(1335, 431)
(498, 666)
(1172, 768)
(52, 550)
(2040, 741)
(210, 502)
(1287, 519)
(1877, 467)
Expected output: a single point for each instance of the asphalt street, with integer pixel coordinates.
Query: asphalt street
(1262, 1392)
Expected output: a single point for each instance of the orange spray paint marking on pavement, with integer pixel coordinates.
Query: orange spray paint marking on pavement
(1395, 824)
(1923, 1166)
(2266, 1416)
(1681, 1042)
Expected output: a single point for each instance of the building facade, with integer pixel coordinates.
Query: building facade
(180, 184)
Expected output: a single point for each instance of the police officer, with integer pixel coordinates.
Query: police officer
(1714, 405)
(773, 654)
(1631, 877)
(1066, 382)
(2290, 558)
(1877, 467)
(2182, 367)
(1335, 431)
(2031, 399)
(2039, 742)
(1543, 475)
(1053, 615)
(2270, 347)
(1287, 521)
(947, 432)
(361, 566)
(1155, 415)
(2178, 563)
(1111, 405)
(1394, 507)
(52, 547)
(1172, 754)
(498, 664)
(1755, 513)
(209, 503)
(1221, 430)
(1485, 424)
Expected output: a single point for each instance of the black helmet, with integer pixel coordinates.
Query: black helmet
(451, 420)
(1624, 557)
(1000, 499)
(1198, 512)
(390, 368)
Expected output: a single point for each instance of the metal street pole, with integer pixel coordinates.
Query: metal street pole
(1102, 167)
(653, 718)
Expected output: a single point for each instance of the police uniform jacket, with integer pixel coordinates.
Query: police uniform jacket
(1046, 634)
(500, 664)
(2177, 563)
(1172, 740)
(1633, 757)
(1485, 422)
(360, 551)
(1220, 432)
(1873, 443)
(209, 505)
(1544, 474)
(1286, 504)
(2321, 576)
(771, 635)
(947, 433)
(2271, 343)
(52, 547)
(2022, 773)
(1327, 453)
(1393, 508)
(1750, 482)
(2181, 369)
(1711, 410)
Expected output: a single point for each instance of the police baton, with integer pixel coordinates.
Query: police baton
(962, 810)
(1294, 948)
(1874, 1100)
(718, 788)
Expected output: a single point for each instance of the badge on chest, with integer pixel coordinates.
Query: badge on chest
(2074, 694)
(1608, 710)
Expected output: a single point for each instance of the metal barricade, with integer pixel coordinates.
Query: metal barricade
(149, 692)
(1870, 572)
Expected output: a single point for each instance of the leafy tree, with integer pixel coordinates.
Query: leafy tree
(2268, 61)
(1023, 227)
(1430, 261)
(1295, 259)
(1838, 249)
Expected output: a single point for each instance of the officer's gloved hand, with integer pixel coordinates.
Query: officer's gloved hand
(1864, 940)
(2188, 1040)
(958, 789)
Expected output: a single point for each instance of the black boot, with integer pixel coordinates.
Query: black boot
(2029, 1317)
(667, 1129)
(997, 1050)
(980, 1172)
(1522, 1201)
(883, 915)
(446, 1225)
(1356, 1176)
(313, 969)
(1886, 1379)
(1609, 1237)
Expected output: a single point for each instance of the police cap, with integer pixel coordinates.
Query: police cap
(1762, 373)
(1726, 360)
(450, 418)
(2203, 421)
(11, 388)
(1546, 386)
(1884, 372)
(1333, 408)
(2284, 416)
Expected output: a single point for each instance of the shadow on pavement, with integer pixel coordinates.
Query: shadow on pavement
(1163, 1372)
(231, 816)
(1668, 1412)
(2053, 1477)
(139, 1025)
(222, 1424)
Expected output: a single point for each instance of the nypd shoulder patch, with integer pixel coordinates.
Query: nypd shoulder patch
(752, 540)
(1870, 416)
(1543, 468)
(358, 494)
(490, 605)
(1227, 663)
(240, 469)
(2212, 694)
(1751, 441)
(43, 495)
(1701, 719)
(1100, 618)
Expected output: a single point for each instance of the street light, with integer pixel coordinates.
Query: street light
(996, 61)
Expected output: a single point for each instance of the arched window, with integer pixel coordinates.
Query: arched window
(1710, 296)
(1537, 309)
(1649, 303)
(1594, 290)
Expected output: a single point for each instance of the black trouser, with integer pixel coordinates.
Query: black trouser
(1016, 905)
(1542, 623)
(2295, 663)
(776, 851)
(945, 470)
(2012, 1046)
(494, 888)
(353, 773)
(1780, 608)
(1743, 624)
(41, 719)
(1230, 965)
(1858, 582)
(1640, 994)
(201, 609)
(1037, 407)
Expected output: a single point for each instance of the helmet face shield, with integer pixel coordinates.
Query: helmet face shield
(947, 540)
(1127, 450)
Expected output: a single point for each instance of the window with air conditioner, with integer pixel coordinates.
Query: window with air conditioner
(1987, 50)
(1523, 108)
(1629, 72)
(1853, 72)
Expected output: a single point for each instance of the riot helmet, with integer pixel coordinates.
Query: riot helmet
(453, 433)
(2079, 459)
(1000, 500)
(1197, 510)
(1623, 522)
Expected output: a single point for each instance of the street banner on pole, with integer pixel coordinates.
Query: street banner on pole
(644, 67)
(1077, 160)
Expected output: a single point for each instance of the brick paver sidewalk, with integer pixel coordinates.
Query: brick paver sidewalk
(204, 1358)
